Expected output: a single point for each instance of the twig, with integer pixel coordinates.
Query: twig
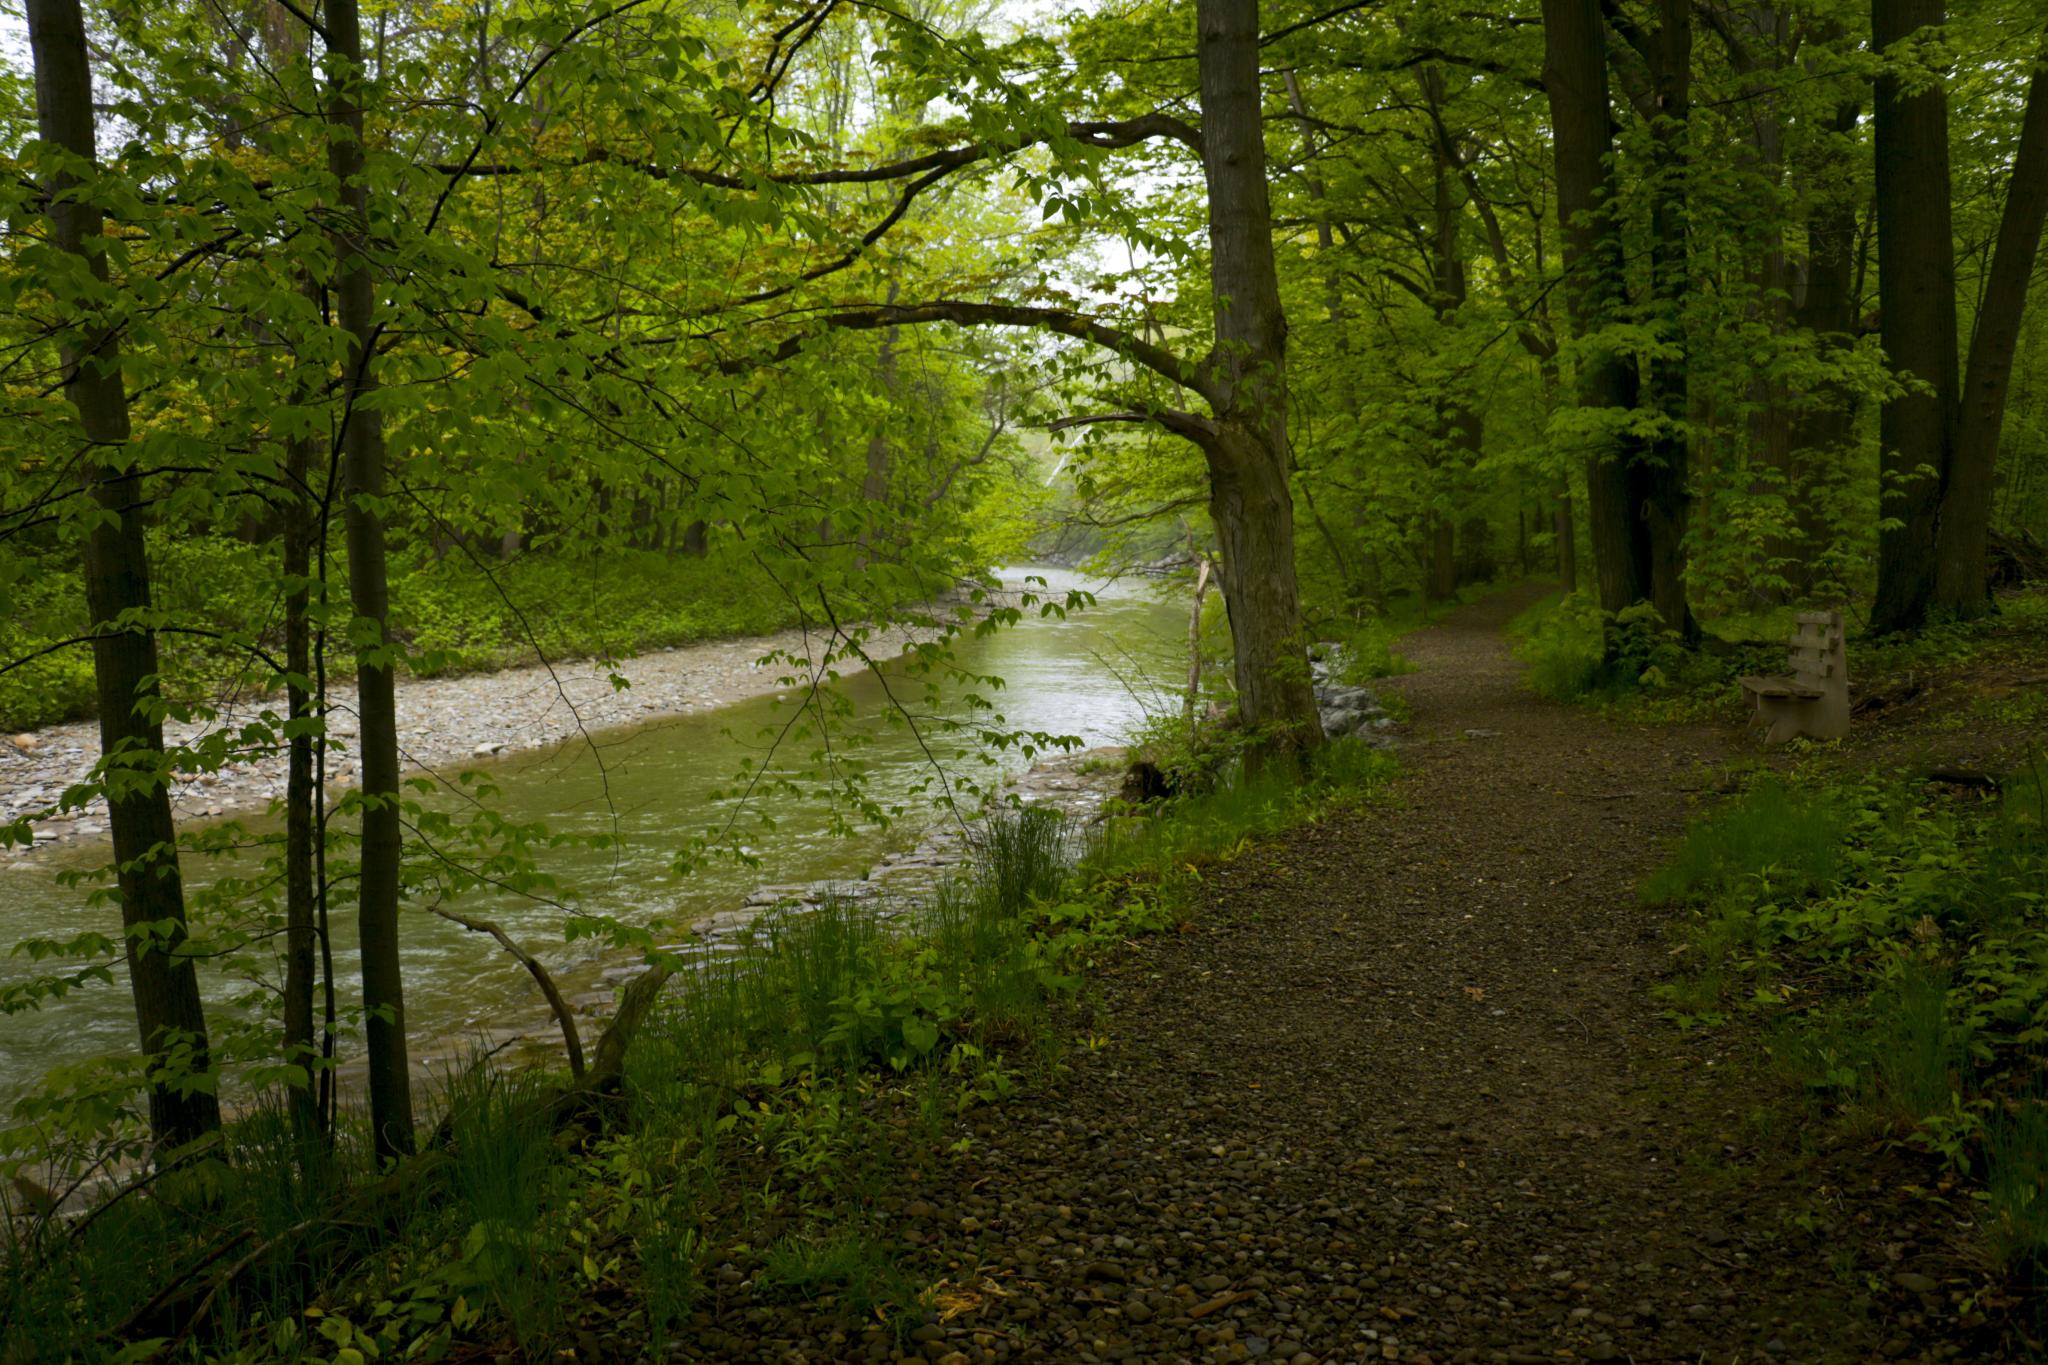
(1221, 1302)
(570, 1039)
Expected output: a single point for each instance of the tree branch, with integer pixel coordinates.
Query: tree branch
(1155, 358)
(1108, 135)
(570, 1039)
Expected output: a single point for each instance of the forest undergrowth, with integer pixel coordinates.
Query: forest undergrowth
(1866, 920)
(763, 1108)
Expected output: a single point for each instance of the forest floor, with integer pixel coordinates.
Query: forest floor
(1398, 1090)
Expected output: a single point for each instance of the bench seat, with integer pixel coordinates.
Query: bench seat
(1782, 687)
(1812, 697)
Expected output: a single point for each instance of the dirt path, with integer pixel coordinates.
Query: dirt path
(1400, 1094)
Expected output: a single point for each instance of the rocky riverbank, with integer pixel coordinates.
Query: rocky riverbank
(443, 723)
(1077, 785)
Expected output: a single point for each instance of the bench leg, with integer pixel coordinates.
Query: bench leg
(1784, 725)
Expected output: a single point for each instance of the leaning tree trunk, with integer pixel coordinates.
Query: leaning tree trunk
(168, 1010)
(1250, 498)
(1916, 290)
(362, 437)
(1959, 580)
(1575, 78)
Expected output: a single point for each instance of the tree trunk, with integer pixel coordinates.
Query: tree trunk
(1575, 78)
(301, 825)
(1459, 431)
(1563, 523)
(1250, 499)
(362, 436)
(1916, 289)
(1441, 580)
(169, 1015)
(1661, 496)
(1820, 431)
(1959, 581)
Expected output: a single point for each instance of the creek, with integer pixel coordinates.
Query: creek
(1091, 675)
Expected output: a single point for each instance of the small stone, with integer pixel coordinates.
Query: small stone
(1104, 1270)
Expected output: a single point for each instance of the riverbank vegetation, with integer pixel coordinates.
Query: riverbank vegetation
(765, 1107)
(366, 337)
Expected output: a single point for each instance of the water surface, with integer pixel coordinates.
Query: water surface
(1089, 676)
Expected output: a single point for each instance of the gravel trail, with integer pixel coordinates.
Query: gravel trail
(1397, 1093)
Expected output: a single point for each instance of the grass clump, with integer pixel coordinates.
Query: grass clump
(1789, 842)
(1892, 942)
(1574, 651)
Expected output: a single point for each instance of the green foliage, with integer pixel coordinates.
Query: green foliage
(1150, 865)
(1574, 651)
(2016, 1183)
(607, 606)
(1773, 842)
(1900, 940)
(1365, 650)
(1563, 642)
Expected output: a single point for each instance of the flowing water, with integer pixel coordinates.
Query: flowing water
(1090, 676)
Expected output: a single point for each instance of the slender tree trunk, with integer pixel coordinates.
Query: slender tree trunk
(1250, 500)
(301, 823)
(1194, 696)
(1959, 582)
(1916, 288)
(169, 1015)
(1575, 78)
(362, 436)
(1442, 577)
(1458, 425)
(1564, 528)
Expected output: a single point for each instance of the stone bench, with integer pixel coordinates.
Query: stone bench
(1813, 698)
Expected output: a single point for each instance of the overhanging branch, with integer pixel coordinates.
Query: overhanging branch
(1155, 358)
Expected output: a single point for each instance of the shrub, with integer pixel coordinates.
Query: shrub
(1771, 835)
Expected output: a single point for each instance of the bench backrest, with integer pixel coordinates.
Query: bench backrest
(1818, 651)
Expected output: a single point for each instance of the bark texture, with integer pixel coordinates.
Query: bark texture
(1250, 497)
(1575, 79)
(1916, 288)
(363, 455)
(1959, 578)
(1658, 484)
(169, 1014)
